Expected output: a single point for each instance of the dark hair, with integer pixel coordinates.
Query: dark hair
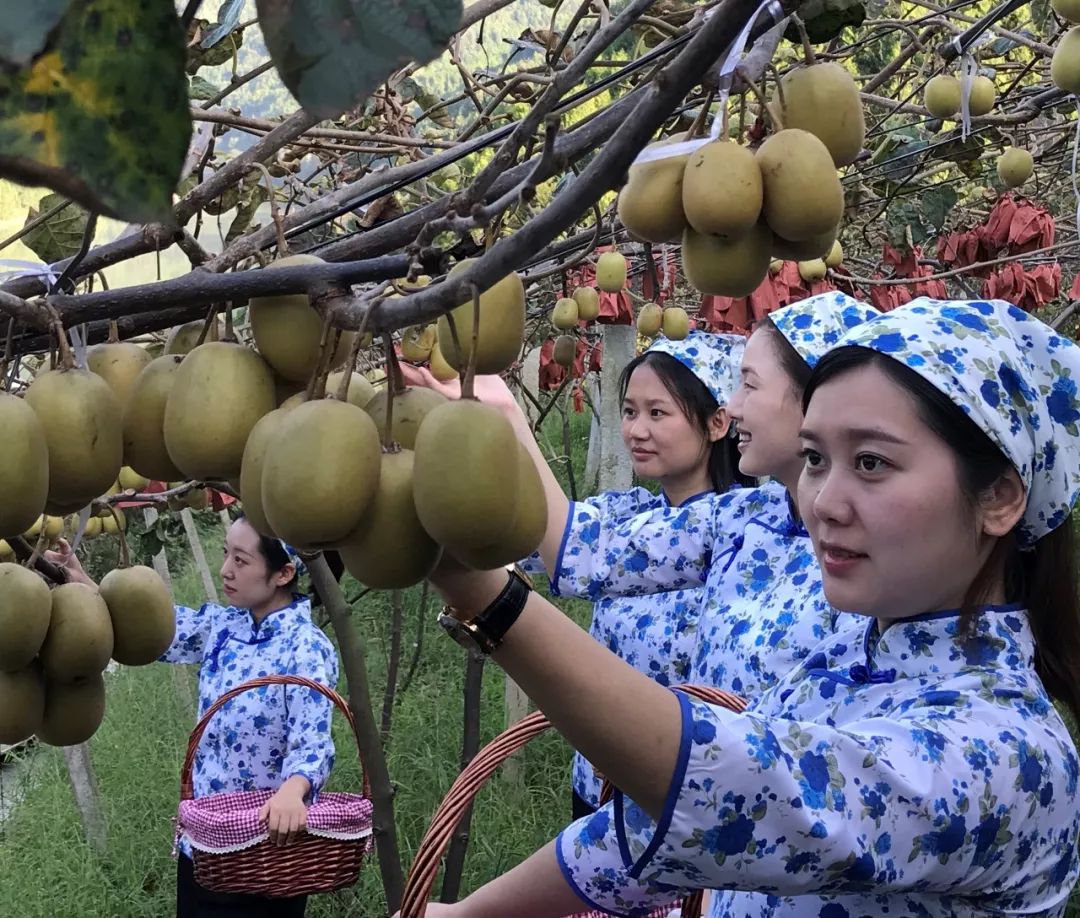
(791, 361)
(1044, 579)
(699, 405)
(272, 551)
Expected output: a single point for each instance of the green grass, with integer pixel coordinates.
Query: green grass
(47, 869)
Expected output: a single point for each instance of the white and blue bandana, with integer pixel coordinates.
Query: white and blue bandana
(713, 358)
(1012, 374)
(816, 324)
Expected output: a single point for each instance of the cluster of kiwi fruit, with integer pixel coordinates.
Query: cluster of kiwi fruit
(735, 210)
(398, 474)
(942, 96)
(581, 306)
(55, 645)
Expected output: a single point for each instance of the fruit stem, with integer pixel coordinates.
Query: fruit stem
(114, 332)
(470, 370)
(759, 94)
(699, 122)
(6, 359)
(394, 384)
(229, 334)
(350, 368)
(313, 383)
(211, 317)
(125, 555)
(275, 212)
(808, 51)
(67, 358)
(742, 118)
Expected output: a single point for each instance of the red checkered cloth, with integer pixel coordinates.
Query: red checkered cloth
(222, 823)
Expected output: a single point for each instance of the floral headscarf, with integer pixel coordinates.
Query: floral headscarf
(814, 325)
(712, 358)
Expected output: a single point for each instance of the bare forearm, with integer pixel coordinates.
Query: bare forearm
(533, 889)
(624, 723)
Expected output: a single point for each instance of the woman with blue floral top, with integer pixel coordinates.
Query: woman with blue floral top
(271, 737)
(914, 764)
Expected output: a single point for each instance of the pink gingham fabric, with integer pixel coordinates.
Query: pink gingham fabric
(222, 823)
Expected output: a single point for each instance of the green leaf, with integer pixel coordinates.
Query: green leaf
(938, 202)
(61, 235)
(25, 26)
(826, 19)
(102, 113)
(201, 89)
(228, 17)
(201, 55)
(332, 54)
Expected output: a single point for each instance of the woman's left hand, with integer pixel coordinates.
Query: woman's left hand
(285, 814)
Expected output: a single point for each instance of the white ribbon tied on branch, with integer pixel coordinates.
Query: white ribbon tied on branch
(727, 72)
(11, 268)
(968, 70)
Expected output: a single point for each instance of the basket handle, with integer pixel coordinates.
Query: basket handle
(187, 790)
(459, 798)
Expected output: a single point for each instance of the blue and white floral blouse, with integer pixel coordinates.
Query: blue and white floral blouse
(263, 737)
(912, 773)
(655, 634)
(762, 606)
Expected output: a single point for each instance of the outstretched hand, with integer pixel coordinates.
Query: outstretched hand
(491, 390)
(67, 561)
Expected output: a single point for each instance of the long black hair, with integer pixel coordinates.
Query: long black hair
(1042, 580)
(699, 406)
(791, 362)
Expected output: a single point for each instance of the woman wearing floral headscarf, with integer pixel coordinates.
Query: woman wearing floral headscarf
(914, 763)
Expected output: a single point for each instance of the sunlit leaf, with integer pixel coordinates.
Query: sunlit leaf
(201, 89)
(25, 26)
(60, 236)
(101, 115)
(332, 54)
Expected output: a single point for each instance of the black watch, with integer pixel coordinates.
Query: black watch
(485, 632)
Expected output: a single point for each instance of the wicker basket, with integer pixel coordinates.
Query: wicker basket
(465, 788)
(313, 863)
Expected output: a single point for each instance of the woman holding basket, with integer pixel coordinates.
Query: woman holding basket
(914, 763)
(273, 737)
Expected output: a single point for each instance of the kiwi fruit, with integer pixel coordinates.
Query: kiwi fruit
(942, 96)
(79, 642)
(360, 390)
(676, 323)
(220, 391)
(285, 390)
(411, 405)
(776, 265)
(803, 197)
(650, 204)
(440, 369)
(391, 550)
(588, 303)
(565, 350)
(94, 527)
(983, 96)
(22, 704)
(114, 522)
(835, 256)
(502, 326)
(417, 342)
(650, 318)
(182, 339)
(317, 504)
(611, 272)
(565, 314)
(7, 553)
(73, 711)
(24, 473)
(1067, 9)
(724, 267)
(83, 426)
(288, 331)
(130, 480)
(142, 614)
(812, 270)
(722, 190)
(465, 490)
(1065, 64)
(25, 610)
(119, 364)
(1014, 167)
(144, 420)
(814, 247)
(526, 532)
(824, 100)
